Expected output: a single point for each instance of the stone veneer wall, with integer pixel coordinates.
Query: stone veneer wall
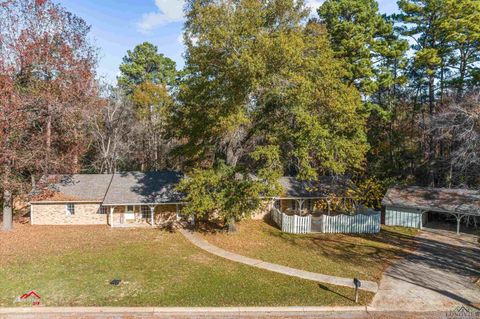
(55, 214)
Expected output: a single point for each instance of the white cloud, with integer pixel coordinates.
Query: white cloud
(313, 4)
(168, 11)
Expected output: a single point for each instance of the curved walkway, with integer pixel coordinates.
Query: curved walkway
(339, 281)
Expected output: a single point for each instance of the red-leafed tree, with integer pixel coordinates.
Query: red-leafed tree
(48, 91)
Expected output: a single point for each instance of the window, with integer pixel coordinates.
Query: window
(70, 209)
(130, 209)
(103, 210)
(145, 211)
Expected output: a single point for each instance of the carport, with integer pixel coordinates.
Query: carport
(406, 206)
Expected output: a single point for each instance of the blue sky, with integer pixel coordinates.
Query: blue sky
(119, 25)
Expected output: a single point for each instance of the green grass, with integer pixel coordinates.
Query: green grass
(161, 269)
(361, 256)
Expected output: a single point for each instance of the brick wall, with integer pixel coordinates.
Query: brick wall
(55, 214)
(263, 210)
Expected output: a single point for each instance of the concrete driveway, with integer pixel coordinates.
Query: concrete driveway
(436, 277)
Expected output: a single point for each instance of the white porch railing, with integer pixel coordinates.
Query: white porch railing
(293, 224)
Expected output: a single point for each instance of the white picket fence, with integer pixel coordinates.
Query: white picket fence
(366, 223)
(293, 224)
(352, 224)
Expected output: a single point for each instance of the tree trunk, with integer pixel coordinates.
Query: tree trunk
(48, 144)
(231, 225)
(232, 158)
(7, 199)
(7, 210)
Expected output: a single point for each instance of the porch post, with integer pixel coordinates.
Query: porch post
(112, 208)
(300, 203)
(176, 211)
(152, 213)
(459, 218)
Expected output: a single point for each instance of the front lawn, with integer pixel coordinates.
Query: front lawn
(72, 266)
(361, 256)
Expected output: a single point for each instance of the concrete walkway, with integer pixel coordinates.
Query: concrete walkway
(339, 281)
(439, 275)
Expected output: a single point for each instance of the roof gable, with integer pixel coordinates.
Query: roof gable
(143, 188)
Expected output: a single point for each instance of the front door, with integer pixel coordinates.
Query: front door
(129, 213)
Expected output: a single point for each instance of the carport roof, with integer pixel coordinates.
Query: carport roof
(448, 200)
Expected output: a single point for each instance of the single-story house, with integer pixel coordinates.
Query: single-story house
(121, 199)
(142, 198)
(407, 206)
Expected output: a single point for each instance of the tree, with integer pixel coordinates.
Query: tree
(457, 125)
(365, 39)
(221, 190)
(421, 23)
(113, 129)
(13, 123)
(148, 78)
(151, 102)
(375, 58)
(145, 64)
(462, 33)
(444, 34)
(261, 81)
(50, 64)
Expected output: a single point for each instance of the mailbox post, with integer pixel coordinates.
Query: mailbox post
(357, 283)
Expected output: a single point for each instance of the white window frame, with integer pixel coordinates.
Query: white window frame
(70, 209)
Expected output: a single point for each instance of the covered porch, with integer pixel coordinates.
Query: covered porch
(142, 215)
(137, 199)
(315, 206)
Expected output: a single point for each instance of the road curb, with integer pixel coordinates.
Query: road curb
(179, 310)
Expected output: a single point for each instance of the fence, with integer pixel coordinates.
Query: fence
(358, 224)
(293, 224)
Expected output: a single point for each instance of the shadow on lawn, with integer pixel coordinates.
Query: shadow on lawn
(323, 287)
(354, 249)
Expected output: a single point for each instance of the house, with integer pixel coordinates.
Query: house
(121, 199)
(145, 198)
(408, 206)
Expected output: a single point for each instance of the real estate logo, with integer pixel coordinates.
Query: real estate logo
(462, 312)
(29, 297)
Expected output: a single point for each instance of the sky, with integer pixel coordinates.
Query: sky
(119, 25)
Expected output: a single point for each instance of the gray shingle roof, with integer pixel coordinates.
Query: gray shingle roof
(143, 188)
(80, 187)
(295, 188)
(463, 201)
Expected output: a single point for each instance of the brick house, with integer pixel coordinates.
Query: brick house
(142, 198)
(119, 200)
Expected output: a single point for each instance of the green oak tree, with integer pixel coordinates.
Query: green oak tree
(265, 94)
